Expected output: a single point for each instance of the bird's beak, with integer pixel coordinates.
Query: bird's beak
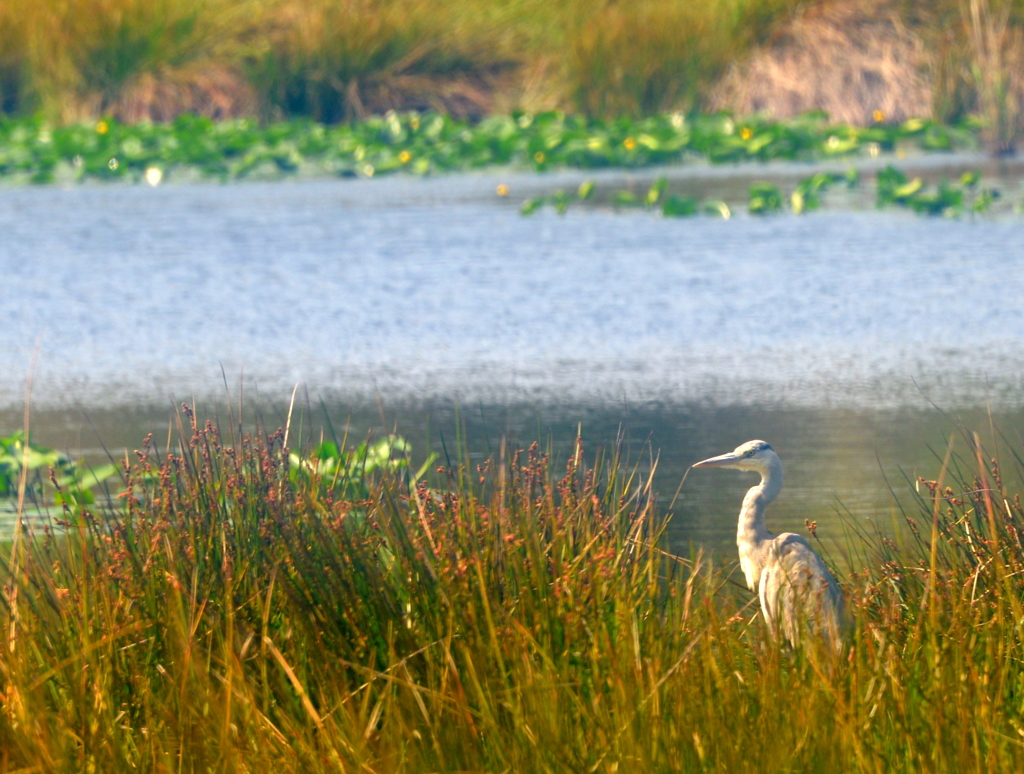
(721, 461)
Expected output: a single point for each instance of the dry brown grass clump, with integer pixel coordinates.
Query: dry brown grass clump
(848, 59)
(210, 90)
(996, 38)
(865, 60)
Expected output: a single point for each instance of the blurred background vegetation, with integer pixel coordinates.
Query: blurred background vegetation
(333, 60)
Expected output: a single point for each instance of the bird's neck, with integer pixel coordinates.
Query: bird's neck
(752, 536)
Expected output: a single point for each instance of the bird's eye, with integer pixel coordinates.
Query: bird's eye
(749, 453)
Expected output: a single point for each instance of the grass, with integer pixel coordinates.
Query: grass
(649, 56)
(336, 59)
(339, 60)
(996, 38)
(332, 60)
(236, 612)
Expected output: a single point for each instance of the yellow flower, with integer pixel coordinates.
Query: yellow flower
(405, 157)
(539, 157)
(629, 143)
(878, 116)
(745, 133)
(102, 127)
(502, 189)
(154, 175)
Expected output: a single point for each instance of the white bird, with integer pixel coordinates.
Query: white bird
(798, 593)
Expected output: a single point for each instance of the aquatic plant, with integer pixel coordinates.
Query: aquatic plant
(679, 206)
(894, 189)
(765, 199)
(670, 205)
(41, 466)
(342, 470)
(947, 199)
(514, 613)
(423, 143)
(808, 193)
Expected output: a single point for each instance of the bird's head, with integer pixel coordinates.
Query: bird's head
(752, 455)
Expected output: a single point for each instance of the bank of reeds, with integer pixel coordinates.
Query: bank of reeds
(889, 60)
(863, 61)
(649, 56)
(330, 60)
(996, 38)
(237, 612)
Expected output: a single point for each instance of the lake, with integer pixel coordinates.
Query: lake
(853, 340)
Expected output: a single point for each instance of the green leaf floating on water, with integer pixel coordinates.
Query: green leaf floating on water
(765, 199)
(656, 191)
(984, 200)
(427, 143)
(561, 201)
(678, 206)
(807, 196)
(530, 206)
(946, 199)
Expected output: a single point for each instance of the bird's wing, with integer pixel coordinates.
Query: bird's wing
(799, 594)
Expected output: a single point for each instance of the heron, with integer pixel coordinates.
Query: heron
(799, 596)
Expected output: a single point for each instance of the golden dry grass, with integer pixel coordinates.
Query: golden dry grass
(848, 59)
(851, 58)
(651, 55)
(997, 66)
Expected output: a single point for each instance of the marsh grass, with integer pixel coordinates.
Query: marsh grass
(331, 60)
(996, 36)
(522, 614)
(656, 55)
(85, 58)
(334, 60)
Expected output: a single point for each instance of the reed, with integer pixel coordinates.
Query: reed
(331, 60)
(90, 57)
(996, 38)
(656, 55)
(857, 59)
(242, 608)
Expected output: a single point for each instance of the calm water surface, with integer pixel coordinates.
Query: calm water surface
(828, 335)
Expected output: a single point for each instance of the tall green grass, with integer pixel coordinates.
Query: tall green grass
(335, 60)
(651, 56)
(235, 612)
